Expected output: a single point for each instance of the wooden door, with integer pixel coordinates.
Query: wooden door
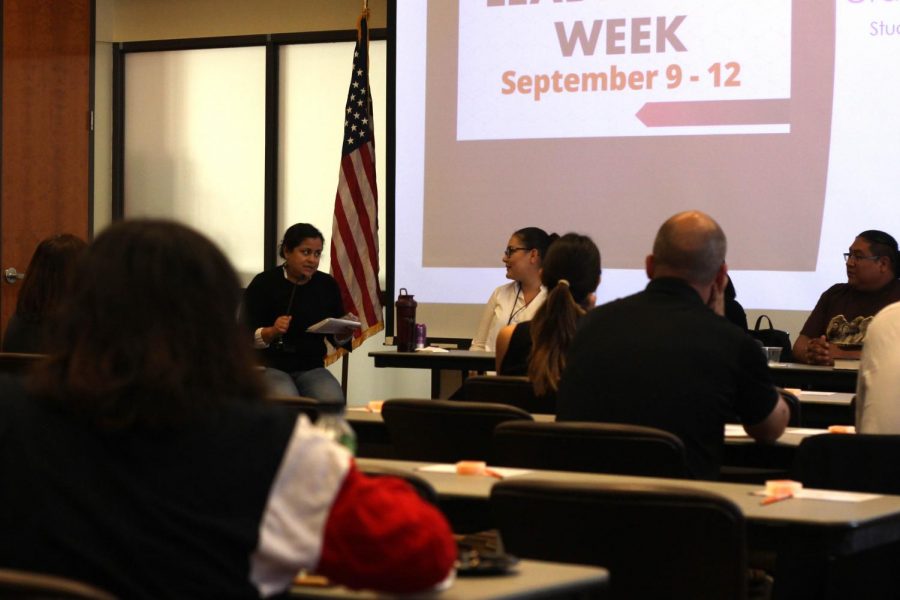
(46, 142)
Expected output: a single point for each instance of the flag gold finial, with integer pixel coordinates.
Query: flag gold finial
(363, 15)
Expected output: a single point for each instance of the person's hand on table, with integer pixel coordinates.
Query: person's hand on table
(819, 351)
(838, 352)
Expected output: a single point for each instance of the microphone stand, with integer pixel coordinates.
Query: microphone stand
(279, 343)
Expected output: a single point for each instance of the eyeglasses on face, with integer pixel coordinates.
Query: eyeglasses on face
(510, 250)
(855, 257)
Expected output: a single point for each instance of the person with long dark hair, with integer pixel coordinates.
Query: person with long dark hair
(537, 348)
(45, 287)
(519, 299)
(140, 456)
(281, 303)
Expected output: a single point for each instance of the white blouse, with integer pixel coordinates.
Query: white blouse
(505, 307)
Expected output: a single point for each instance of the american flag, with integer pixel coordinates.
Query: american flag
(354, 234)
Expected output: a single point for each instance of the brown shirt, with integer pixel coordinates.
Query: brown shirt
(856, 307)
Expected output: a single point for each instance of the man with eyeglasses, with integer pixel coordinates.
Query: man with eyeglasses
(836, 328)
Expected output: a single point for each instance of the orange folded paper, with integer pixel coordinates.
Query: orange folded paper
(476, 467)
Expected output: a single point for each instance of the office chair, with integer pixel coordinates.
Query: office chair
(425, 490)
(658, 541)
(590, 447)
(29, 585)
(856, 463)
(300, 404)
(445, 430)
(17, 363)
(506, 389)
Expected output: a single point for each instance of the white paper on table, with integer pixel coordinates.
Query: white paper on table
(502, 471)
(831, 495)
(432, 349)
(735, 430)
(805, 431)
(805, 393)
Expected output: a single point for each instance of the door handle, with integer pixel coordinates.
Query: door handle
(11, 275)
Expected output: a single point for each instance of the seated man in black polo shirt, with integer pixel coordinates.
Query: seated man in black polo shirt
(667, 358)
(837, 325)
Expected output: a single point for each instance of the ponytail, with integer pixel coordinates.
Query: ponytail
(552, 330)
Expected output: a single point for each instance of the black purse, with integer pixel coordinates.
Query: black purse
(773, 337)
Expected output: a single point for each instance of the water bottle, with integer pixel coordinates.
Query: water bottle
(406, 321)
(421, 336)
(335, 426)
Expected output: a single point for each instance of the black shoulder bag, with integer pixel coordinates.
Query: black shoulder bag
(773, 337)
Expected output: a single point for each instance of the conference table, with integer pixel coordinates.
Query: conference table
(790, 375)
(820, 409)
(360, 417)
(528, 579)
(813, 377)
(743, 460)
(846, 527)
(449, 360)
(823, 531)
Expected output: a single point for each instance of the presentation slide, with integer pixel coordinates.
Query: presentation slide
(605, 117)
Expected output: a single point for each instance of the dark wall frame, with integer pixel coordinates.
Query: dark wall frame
(272, 44)
(390, 178)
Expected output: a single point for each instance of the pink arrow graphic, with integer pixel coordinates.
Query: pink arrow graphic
(715, 112)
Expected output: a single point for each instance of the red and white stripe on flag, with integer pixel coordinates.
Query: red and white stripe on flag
(354, 235)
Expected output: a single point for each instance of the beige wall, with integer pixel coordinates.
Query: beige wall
(133, 20)
(138, 20)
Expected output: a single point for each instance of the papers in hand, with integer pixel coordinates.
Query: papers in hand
(331, 325)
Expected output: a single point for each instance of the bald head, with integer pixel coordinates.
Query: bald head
(689, 246)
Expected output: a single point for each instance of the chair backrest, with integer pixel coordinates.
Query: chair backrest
(445, 430)
(425, 490)
(17, 363)
(590, 447)
(506, 389)
(301, 404)
(27, 584)
(658, 541)
(857, 463)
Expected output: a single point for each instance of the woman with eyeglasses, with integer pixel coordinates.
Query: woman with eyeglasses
(537, 348)
(517, 300)
(281, 303)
